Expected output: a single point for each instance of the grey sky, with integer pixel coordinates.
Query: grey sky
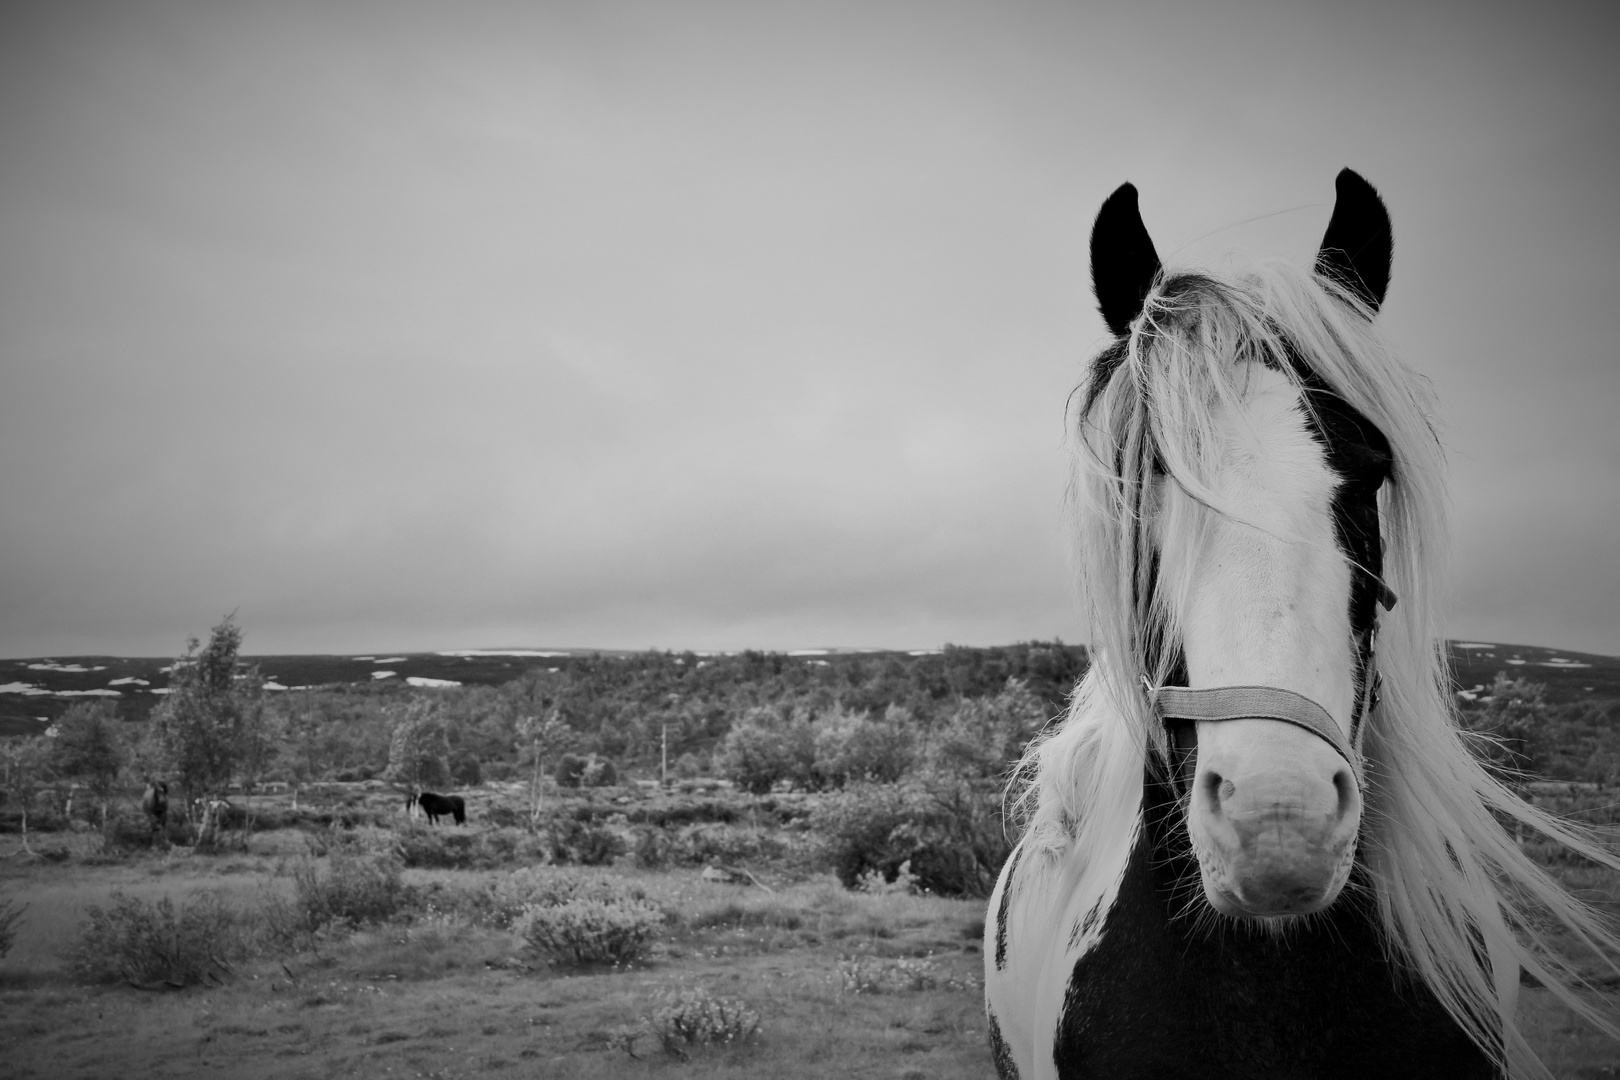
(409, 326)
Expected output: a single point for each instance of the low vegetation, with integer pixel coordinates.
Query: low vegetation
(804, 898)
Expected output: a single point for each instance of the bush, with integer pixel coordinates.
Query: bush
(764, 748)
(574, 771)
(423, 846)
(948, 828)
(128, 831)
(851, 747)
(587, 930)
(573, 841)
(535, 886)
(162, 943)
(726, 844)
(697, 1018)
(653, 847)
(570, 769)
(355, 890)
(876, 975)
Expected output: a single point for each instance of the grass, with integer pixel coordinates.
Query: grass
(845, 984)
(444, 998)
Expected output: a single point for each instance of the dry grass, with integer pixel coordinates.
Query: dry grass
(448, 997)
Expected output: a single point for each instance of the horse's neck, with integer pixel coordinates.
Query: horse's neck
(1164, 986)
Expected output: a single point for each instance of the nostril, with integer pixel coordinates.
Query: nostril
(1344, 782)
(1217, 788)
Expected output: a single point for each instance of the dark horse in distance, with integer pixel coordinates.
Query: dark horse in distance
(155, 803)
(437, 806)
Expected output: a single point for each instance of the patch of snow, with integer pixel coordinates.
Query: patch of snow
(924, 652)
(362, 658)
(808, 652)
(161, 690)
(383, 674)
(1560, 662)
(129, 680)
(422, 680)
(500, 652)
(52, 665)
(820, 663)
(554, 670)
(89, 693)
(1515, 660)
(1474, 645)
(391, 660)
(22, 688)
(271, 684)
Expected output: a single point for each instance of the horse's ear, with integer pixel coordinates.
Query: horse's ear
(1358, 244)
(1123, 262)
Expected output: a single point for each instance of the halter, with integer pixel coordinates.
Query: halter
(1215, 703)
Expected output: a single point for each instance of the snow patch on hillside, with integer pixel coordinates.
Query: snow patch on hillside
(499, 652)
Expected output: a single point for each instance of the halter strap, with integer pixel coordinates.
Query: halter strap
(1216, 703)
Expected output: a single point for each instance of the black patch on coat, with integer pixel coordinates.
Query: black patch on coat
(1003, 907)
(1159, 996)
(1000, 1052)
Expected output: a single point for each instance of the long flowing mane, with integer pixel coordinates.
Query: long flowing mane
(1461, 906)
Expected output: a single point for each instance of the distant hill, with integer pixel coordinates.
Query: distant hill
(36, 691)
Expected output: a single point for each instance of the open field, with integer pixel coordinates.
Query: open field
(845, 984)
(444, 997)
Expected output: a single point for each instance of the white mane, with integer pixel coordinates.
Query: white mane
(1448, 877)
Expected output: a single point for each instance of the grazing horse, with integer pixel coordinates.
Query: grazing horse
(437, 806)
(155, 803)
(1259, 844)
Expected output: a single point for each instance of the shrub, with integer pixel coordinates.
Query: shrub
(355, 890)
(572, 841)
(570, 770)
(653, 847)
(586, 930)
(161, 943)
(875, 975)
(765, 747)
(128, 831)
(599, 772)
(727, 844)
(852, 747)
(947, 827)
(695, 1017)
(424, 846)
(535, 886)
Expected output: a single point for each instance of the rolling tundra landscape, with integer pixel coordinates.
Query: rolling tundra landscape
(722, 864)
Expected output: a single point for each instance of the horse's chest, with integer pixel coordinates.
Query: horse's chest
(1157, 997)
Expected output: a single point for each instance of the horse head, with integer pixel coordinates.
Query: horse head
(1248, 496)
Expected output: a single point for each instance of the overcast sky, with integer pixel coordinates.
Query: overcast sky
(682, 325)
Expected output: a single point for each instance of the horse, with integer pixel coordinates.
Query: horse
(1258, 844)
(437, 806)
(155, 803)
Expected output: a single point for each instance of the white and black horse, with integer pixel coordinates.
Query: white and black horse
(1259, 845)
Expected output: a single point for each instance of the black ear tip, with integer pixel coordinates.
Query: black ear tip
(1124, 197)
(1350, 184)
